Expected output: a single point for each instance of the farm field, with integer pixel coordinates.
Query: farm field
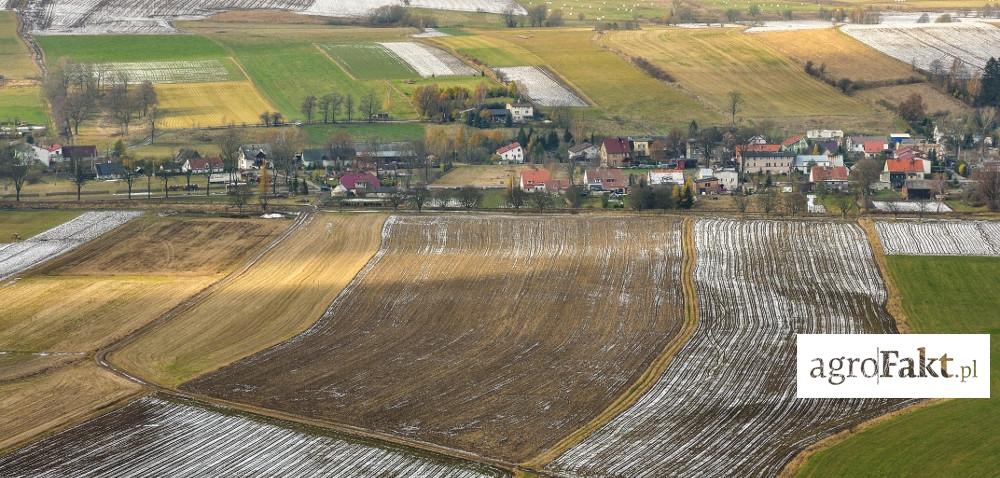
(20, 95)
(940, 238)
(725, 404)
(710, 63)
(934, 100)
(971, 42)
(29, 223)
(278, 297)
(154, 436)
(540, 87)
(947, 438)
(574, 56)
(843, 56)
(129, 48)
(22, 103)
(428, 61)
(401, 345)
(14, 55)
(489, 176)
(369, 61)
(187, 105)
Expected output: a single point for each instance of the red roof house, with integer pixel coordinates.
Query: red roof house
(359, 182)
(828, 174)
(604, 179)
(615, 151)
(534, 179)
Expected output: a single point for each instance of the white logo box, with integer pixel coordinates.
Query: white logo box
(893, 366)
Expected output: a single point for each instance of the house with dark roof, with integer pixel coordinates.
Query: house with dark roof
(583, 152)
(615, 152)
(79, 153)
(108, 171)
(253, 156)
(917, 189)
(832, 177)
(205, 165)
(605, 179)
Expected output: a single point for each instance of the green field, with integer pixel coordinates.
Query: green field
(29, 223)
(112, 48)
(370, 62)
(15, 60)
(951, 438)
(22, 104)
(318, 134)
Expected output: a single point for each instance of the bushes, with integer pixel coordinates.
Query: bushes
(653, 70)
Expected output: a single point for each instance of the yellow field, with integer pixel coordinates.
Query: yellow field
(185, 105)
(277, 298)
(935, 100)
(709, 63)
(844, 56)
(491, 176)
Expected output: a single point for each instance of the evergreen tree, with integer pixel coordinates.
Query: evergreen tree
(567, 137)
(522, 137)
(989, 91)
(552, 140)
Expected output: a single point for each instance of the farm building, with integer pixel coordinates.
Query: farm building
(583, 152)
(897, 171)
(728, 178)
(917, 189)
(665, 176)
(833, 177)
(47, 155)
(708, 185)
(615, 152)
(498, 115)
(512, 153)
(521, 112)
(605, 179)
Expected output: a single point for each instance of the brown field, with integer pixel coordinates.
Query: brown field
(14, 366)
(465, 332)
(844, 56)
(491, 176)
(275, 299)
(935, 100)
(43, 402)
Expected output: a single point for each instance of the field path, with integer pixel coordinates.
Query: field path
(335, 62)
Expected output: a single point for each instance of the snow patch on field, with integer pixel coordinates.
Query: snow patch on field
(155, 437)
(921, 43)
(726, 404)
(428, 61)
(909, 206)
(20, 256)
(541, 88)
(789, 26)
(940, 238)
(200, 71)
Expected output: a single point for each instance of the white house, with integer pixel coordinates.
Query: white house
(728, 178)
(666, 176)
(47, 156)
(583, 152)
(512, 153)
(521, 112)
(825, 134)
(803, 162)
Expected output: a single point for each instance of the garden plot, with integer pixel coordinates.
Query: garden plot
(165, 71)
(540, 87)
(940, 238)
(19, 256)
(911, 206)
(155, 437)
(464, 332)
(922, 43)
(428, 61)
(726, 404)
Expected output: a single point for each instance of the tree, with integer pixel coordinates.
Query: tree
(989, 84)
(15, 164)
(349, 106)
(239, 195)
(148, 169)
(130, 171)
(754, 11)
(265, 118)
(419, 196)
(733, 15)
(509, 16)
(151, 121)
(554, 19)
(470, 197)
(536, 15)
(912, 109)
(368, 106)
(988, 188)
(308, 106)
(265, 177)
(147, 97)
(794, 203)
(766, 201)
(742, 203)
(687, 198)
(80, 176)
(865, 174)
(78, 107)
(516, 198)
(166, 173)
(230, 143)
(735, 102)
(845, 203)
(336, 102)
(541, 200)
(285, 145)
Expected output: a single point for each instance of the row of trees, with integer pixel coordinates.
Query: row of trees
(440, 104)
(79, 92)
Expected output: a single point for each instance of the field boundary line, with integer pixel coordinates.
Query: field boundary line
(335, 62)
(894, 301)
(656, 369)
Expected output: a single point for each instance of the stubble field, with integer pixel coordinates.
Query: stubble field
(465, 332)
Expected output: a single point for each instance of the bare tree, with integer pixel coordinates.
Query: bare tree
(336, 102)
(766, 201)
(541, 200)
(80, 176)
(864, 175)
(16, 162)
(742, 203)
(229, 143)
(308, 106)
(470, 197)
(239, 195)
(419, 196)
(735, 103)
(349, 106)
(794, 203)
(368, 105)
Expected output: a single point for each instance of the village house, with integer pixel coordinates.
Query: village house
(804, 162)
(316, 157)
(796, 144)
(642, 147)
(205, 165)
(533, 180)
(253, 156)
(820, 134)
(708, 185)
(498, 115)
(605, 179)
(897, 171)
(521, 112)
(108, 171)
(358, 184)
(512, 153)
(615, 152)
(729, 179)
(832, 177)
(665, 176)
(79, 153)
(47, 155)
(764, 162)
(582, 152)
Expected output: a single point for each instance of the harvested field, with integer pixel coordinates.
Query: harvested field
(940, 238)
(540, 86)
(428, 61)
(14, 54)
(843, 56)
(278, 297)
(19, 256)
(464, 332)
(489, 176)
(16, 365)
(156, 437)
(34, 405)
(29, 223)
(922, 43)
(210, 104)
(726, 404)
(193, 71)
(935, 101)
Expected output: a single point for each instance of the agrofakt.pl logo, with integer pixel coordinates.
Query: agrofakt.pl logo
(893, 366)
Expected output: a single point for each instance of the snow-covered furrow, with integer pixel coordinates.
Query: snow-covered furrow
(428, 61)
(940, 238)
(922, 43)
(164, 71)
(19, 256)
(156, 437)
(540, 87)
(726, 405)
